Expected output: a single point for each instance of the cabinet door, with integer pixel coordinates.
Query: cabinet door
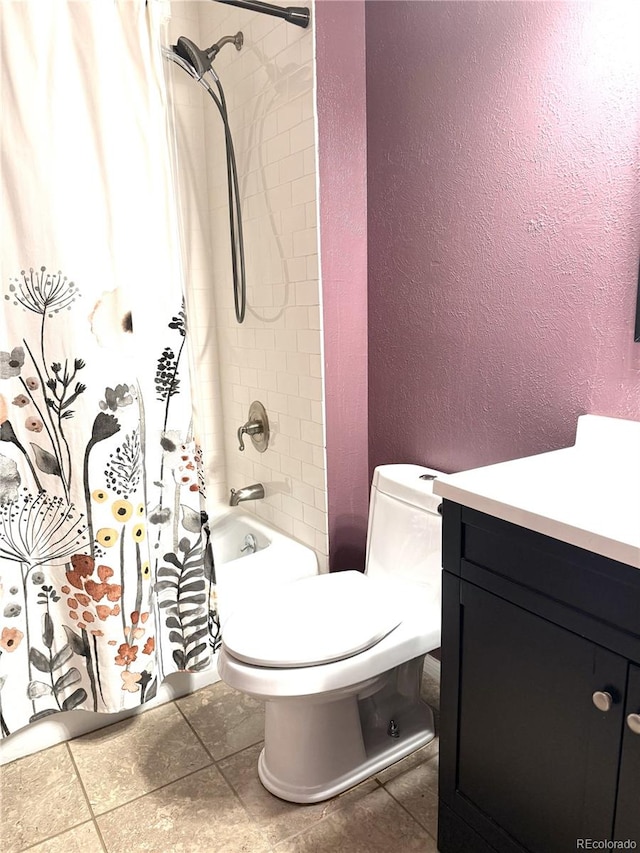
(535, 755)
(628, 808)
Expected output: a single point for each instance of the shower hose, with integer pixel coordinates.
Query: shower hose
(235, 210)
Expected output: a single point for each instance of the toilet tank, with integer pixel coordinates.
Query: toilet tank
(405, 527)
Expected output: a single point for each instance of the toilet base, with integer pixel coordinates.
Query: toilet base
(314, 751)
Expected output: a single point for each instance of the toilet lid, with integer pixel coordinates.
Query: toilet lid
(312, 621)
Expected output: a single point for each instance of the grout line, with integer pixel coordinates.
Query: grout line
(198, 738)
(334, 811)
(79, 777)
(238, 751)
(134, 799)
(414, 819)
(86, 795)
(254, 822)
(154, 790)
(89, 819)
(215, 760)
(58, 835)
(100, 836)
(412, 816)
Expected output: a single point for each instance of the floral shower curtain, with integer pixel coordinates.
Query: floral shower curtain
(105, 580)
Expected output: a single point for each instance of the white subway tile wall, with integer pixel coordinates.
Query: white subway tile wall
(276, 355)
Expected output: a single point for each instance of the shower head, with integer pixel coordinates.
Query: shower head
(192, 54)
(200, 60)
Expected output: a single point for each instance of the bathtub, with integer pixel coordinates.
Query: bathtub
(252, 558)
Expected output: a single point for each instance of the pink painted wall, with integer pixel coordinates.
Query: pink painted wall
(504, 225)
(342, 153)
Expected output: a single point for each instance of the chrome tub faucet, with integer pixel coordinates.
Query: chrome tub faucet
(248, 493)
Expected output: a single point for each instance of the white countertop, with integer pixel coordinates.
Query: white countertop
(587, 495)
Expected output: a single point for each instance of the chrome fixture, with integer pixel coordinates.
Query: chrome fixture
(200, 60)
(250, 544)
(237, 41)
(394, 729)
(257, 427)
(249, 493)
(197, 62)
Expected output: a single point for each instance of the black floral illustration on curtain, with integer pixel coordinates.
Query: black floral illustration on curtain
(85, 574)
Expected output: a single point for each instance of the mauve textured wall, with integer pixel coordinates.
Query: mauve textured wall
(342, 156)
(504, 225)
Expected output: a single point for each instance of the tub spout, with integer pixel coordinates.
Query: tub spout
(248, 493)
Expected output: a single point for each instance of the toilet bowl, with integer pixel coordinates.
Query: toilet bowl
(337, 658)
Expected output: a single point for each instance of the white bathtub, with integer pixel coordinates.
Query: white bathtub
(243, 575)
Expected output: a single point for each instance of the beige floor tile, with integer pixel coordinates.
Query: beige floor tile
(374, 824)
(227, 721)
(425, 753)
(155, 789)
(196, 814)
(280, 819)
(40, 796)
(417, 791)
(124, 761)
(82, 839)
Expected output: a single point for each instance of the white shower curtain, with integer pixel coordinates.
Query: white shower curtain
(105, 581)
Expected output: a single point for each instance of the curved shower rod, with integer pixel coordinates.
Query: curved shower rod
(298, 15)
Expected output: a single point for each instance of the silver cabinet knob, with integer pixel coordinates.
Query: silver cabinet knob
(633, 721)
(602, 700)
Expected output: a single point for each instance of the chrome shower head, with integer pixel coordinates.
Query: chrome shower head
(200, 60)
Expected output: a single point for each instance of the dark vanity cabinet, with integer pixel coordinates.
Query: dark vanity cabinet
(540, 696)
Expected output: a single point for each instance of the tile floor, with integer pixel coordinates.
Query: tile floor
(182, 778)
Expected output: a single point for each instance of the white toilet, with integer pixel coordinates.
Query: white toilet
(337, 658)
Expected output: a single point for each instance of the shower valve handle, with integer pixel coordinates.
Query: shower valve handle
(250, 428)
(257, 426)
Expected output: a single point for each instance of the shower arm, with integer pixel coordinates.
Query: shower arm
(297, 15)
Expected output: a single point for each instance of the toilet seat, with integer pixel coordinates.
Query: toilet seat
(313, 621)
